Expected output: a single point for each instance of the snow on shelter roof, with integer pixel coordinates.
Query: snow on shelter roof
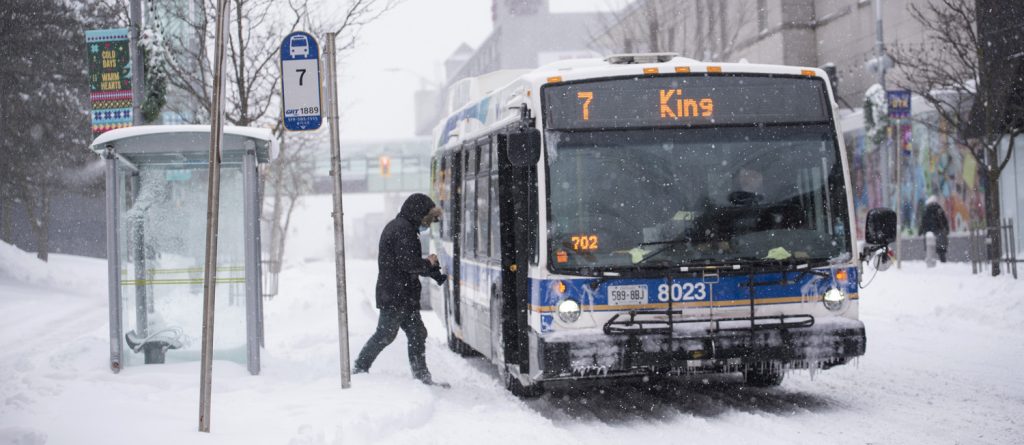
(171, 144)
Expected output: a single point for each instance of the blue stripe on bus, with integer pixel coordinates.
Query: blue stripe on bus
(728, 288)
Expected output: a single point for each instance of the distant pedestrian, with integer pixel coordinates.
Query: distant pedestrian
(400, 262)
(934, 220)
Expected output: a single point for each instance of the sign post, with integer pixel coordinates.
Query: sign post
(212, 215)
(300, 82)
(338, 213)
(899, 109)
(110, 80)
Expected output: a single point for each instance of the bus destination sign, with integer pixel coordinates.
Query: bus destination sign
(687, 100)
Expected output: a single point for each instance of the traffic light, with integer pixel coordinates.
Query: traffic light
(385, 166)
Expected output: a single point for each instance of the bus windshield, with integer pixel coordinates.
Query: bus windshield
(671, 197)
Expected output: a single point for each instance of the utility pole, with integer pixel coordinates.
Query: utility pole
(138, 75)
(338, 213)
(212, 215)
(897, 140)
(879, 43)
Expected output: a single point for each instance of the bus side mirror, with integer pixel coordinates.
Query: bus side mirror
(879, 231)
(881, 227)
(524, 147)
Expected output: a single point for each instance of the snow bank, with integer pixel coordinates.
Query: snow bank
(81, 274)
(946, 297)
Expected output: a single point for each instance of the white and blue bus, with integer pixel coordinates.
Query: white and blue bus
(649, 215)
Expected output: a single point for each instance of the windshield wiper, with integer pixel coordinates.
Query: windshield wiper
(667, 243)
(804, 265)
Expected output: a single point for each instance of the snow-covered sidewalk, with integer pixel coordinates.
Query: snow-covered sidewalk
(943, 365)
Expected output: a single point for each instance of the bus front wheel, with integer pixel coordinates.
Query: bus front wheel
(764, 376)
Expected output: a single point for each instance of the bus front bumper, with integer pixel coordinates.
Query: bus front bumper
(703, 348)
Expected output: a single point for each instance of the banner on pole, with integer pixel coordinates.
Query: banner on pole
(110, 83)
(899, 103)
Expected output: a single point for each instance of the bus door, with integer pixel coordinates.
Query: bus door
(456, 231)
(514, 188)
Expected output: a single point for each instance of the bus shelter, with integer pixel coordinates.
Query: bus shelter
(156, 193)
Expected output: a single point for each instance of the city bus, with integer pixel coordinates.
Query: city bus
(649, 215)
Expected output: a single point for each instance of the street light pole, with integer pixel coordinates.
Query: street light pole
(138, 75)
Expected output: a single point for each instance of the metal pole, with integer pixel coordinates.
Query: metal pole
(138, 231)
(899, 194)
(113, 263)
(338, 214)
(252, 266)
(138, 72)
(879, 43)
(1012, 235)
(212, 213)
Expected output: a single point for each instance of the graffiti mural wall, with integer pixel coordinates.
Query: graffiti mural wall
(931, 164)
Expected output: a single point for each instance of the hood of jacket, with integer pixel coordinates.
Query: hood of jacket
(416, 207)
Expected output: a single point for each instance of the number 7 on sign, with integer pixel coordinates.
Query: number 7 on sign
(587, 96)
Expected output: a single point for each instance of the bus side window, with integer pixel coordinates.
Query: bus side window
(440, 181)
(495, 204)
(469, 204)
(495, 215)
(454, 193)
(482, 199)
(534, 220)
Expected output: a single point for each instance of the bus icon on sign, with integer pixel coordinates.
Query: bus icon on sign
(298, 46)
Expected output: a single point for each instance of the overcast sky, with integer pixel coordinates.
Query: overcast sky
(378, 78)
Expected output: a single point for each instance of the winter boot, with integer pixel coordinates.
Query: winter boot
(428, 380)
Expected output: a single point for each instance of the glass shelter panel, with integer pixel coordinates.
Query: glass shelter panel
(162, 219)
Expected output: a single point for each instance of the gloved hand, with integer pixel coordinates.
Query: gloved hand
(439, 278)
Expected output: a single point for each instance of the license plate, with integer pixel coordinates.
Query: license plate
(627, 295)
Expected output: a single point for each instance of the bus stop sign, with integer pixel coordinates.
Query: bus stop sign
(300, 82)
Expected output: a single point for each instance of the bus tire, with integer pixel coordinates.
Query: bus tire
(458, 346)
(518, 389)
(763, 377)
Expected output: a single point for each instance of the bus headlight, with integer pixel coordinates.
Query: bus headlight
(833, 299)
(568, 310)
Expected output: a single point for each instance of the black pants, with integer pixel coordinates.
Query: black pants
(941, 245)
(391, 319)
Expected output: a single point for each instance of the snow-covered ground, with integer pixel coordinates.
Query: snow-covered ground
(943, 365)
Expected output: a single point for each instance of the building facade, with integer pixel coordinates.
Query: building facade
(841, 33)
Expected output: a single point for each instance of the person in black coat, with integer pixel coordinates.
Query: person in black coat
(400, 263)
(934, 220)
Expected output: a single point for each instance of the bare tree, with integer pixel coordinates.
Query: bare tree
(947, 70)
(44, 119)
(699, 29)
(254, 75)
